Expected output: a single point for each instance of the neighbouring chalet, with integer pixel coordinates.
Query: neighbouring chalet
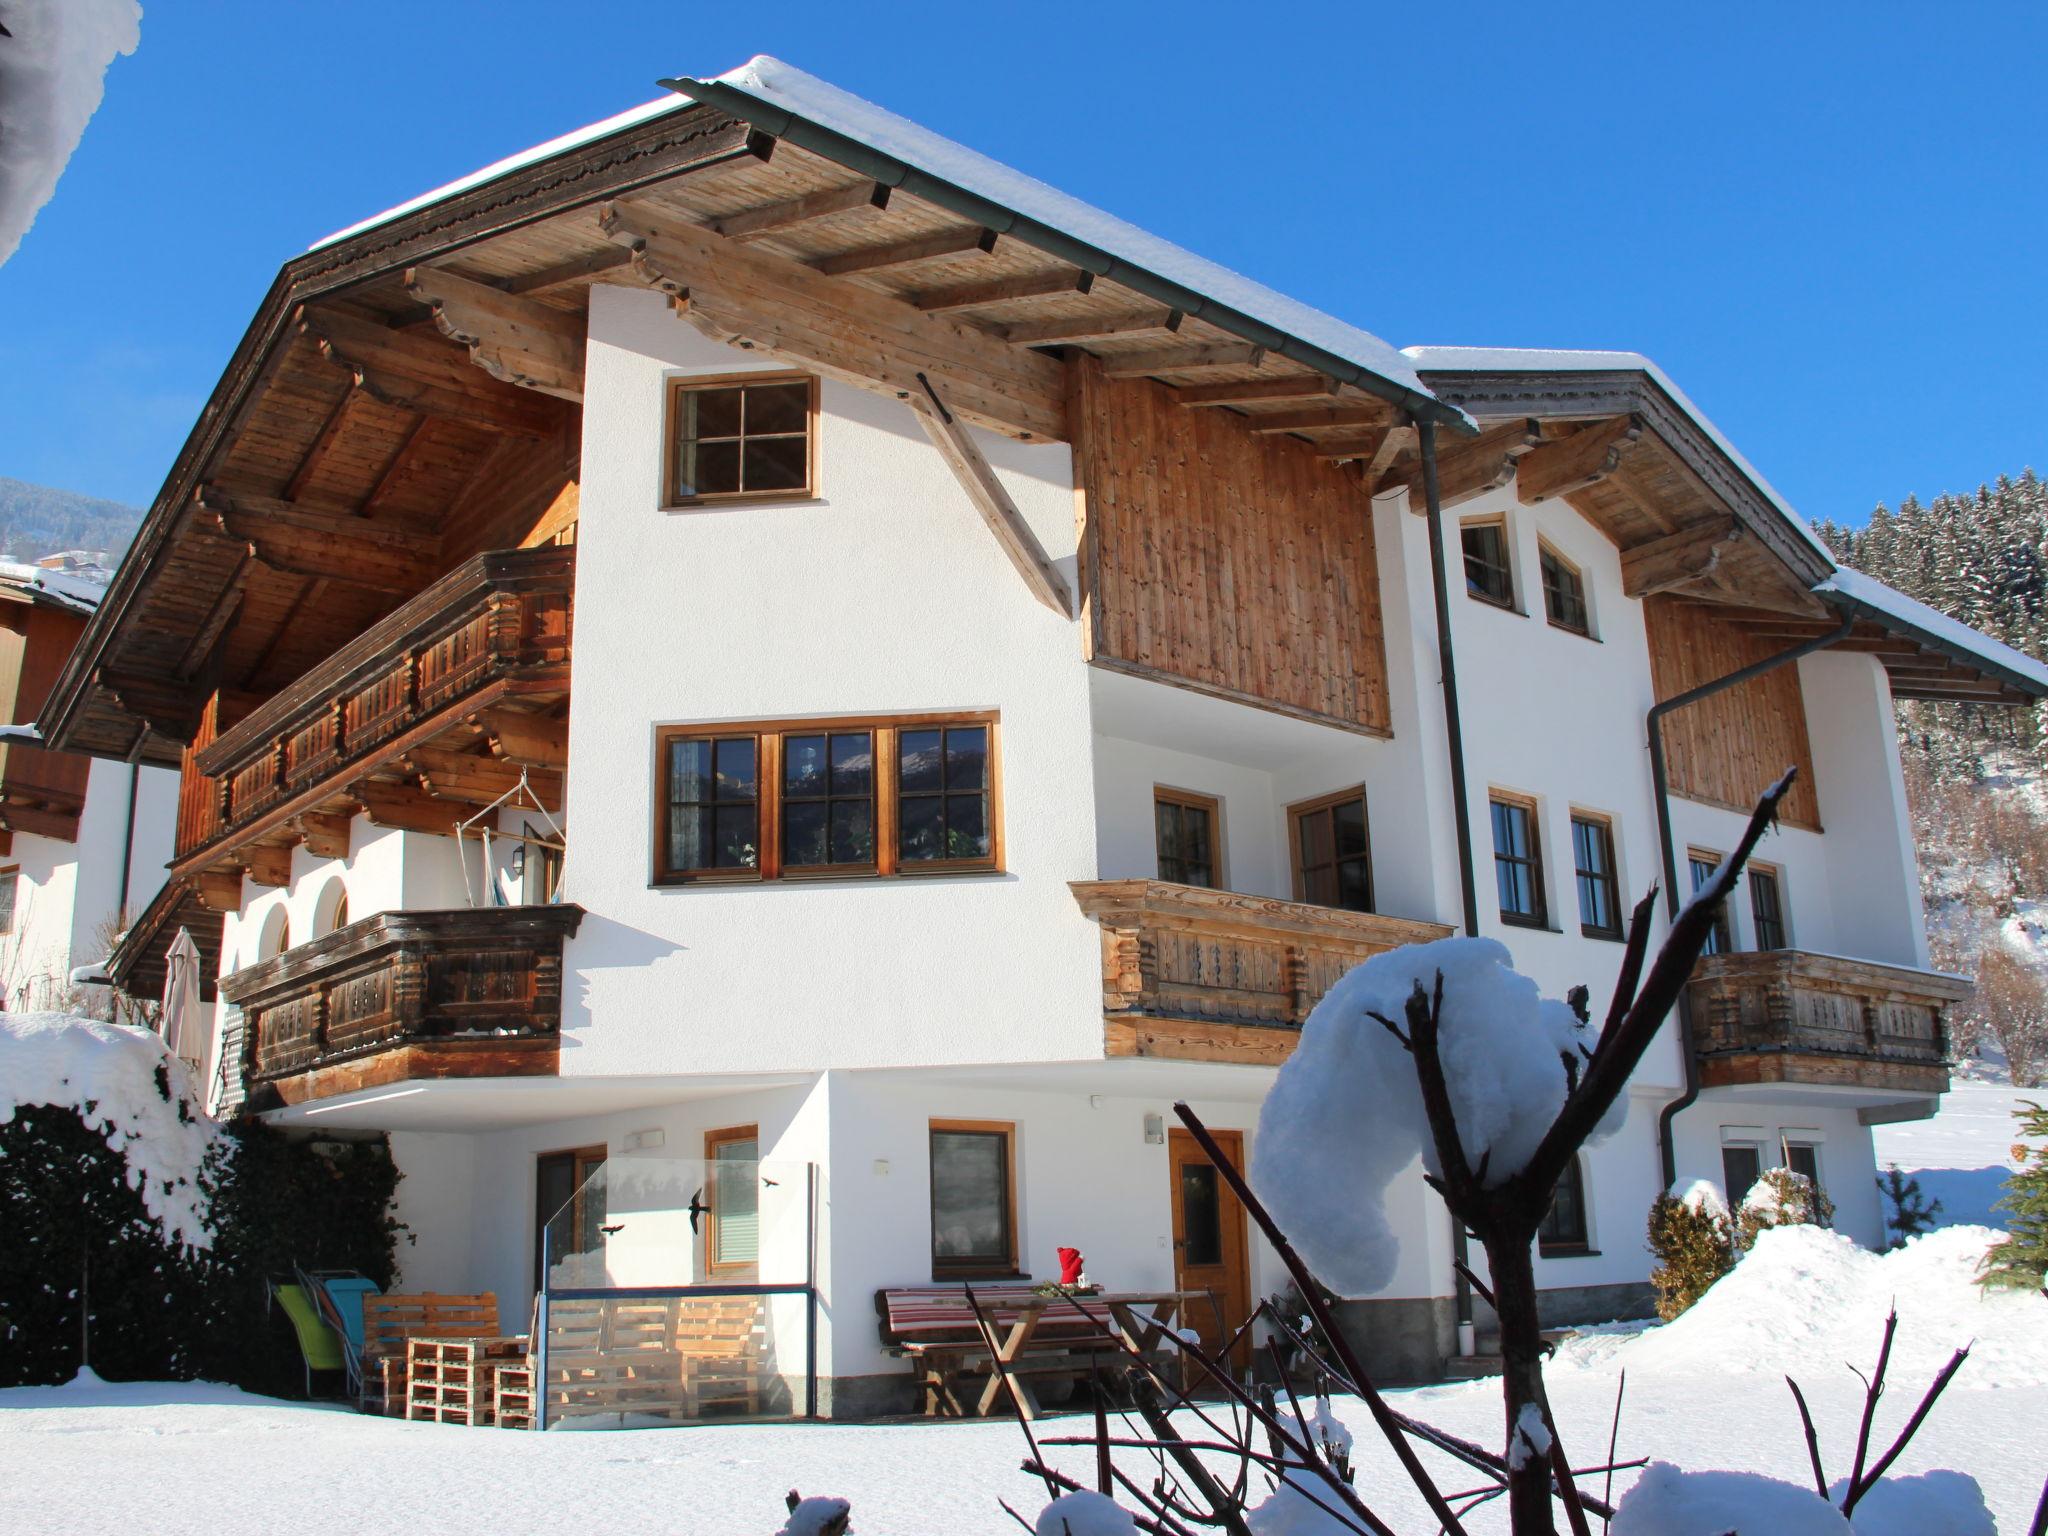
(82, 843)
(752, 664)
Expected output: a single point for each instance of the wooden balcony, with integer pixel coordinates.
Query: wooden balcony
(1201, 975)
(493, 632)
(405, 995)
(41, 791)
(1789, 1017)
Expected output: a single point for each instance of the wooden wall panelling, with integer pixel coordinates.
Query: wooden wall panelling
(1728, 748)
(1237, 565)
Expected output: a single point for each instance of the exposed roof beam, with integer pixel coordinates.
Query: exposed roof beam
(398, 370)
(1687, 555)
(1316, 420)
(1299, 386)
(330, 431)
(964, 457)
(1143, 365)
(325, 835)
(1079, 328)
(772, 218)
(1002, 290)
(1473, 467)
(337, 546)
(409, 809)
(752, 297)
(220, 889)
(1377, 451)
(468, 776)
(516, 737)
(966, 240)
(1568, 464)
(514, 340)
(268, 863)
(576, 270)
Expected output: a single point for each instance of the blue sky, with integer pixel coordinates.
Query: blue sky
(1827, 223)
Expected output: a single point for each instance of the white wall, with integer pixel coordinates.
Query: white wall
(885, 594)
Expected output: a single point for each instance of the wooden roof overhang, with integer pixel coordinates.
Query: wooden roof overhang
(324, 481)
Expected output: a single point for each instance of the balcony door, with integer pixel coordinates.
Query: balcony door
(1209, 1242)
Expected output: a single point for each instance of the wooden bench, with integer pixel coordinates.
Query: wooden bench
(389, 1321)
(934, 1326)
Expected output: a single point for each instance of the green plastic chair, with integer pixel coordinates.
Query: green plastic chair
(319, 1345)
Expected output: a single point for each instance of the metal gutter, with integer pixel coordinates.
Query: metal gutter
(781, 123)
(1660, 784)
(1893, 622)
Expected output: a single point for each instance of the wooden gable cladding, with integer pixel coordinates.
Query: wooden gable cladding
(1216, 559)
(1728, 748)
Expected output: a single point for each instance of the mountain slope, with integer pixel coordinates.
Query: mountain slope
(37, 520)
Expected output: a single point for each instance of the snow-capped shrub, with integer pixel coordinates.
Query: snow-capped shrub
(1781, 1198)
(817, 1516)
(1949, 1502)
(1694, 1242)
(1085, 1513)
(1668, 1502)
(1345, 1114)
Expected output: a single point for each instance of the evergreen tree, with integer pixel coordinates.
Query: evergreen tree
(2020, 1262)
(1912, 1213)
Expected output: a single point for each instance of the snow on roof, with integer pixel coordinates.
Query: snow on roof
(80, 590)
(1897, 611)
(803, 95)
(1565, 360)
(617, 123)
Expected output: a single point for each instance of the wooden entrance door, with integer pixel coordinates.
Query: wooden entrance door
(1209, 1242)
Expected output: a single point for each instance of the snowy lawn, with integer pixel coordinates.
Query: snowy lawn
(1704, 1392)
(1961, 1156)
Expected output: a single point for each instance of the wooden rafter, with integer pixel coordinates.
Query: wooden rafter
(772, 218)
(325, 835)
(1299, 386)
(1472, 468)
(964, 457)
(1323, 419)
(1004, 290)
(576, 270)
(1569, 464)
(514, 340)
(754, 298)
(323, 445)
(420, 374)
(964, 240)
(1143, 365)
(1677, 558)
(268, 864)
(1375, 452)
(517, 737)
(1078, 328)
(334, 546)
(409, 808)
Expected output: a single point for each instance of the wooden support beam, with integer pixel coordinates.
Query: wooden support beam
(309, 466)
(1376, 451)
(416, 373)
(1314, 420)
(772, 218)
(1080, 328)
(754, 298)
(1677, 558)
(580, 269)
(333, 546)
(325, 836)
(268, 864)
(1143, 365)
(1299, 386)
(1569, 464)
(217, 622)
(168, 708)
(1005, 290)
(42, 820)
(479, 779)
(964, 457)
(966, 240)
(237, 511)
(516, 341)
(408, 808)
(1472, 468)
(220, 889)
(535, 740)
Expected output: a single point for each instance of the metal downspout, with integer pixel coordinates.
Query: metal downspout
(1660, 784)
(1454, 735)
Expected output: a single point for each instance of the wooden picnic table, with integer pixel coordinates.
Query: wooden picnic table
(1140, 1319)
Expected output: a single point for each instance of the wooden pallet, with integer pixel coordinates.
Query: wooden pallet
(453, 1381)
(384, 1382)
(512, 1400)
(665, 1357)
(388, 1321)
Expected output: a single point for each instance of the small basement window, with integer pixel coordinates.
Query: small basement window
(1487, 576)
(744, 437)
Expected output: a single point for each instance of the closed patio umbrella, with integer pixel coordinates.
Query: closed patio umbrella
(184, 1023)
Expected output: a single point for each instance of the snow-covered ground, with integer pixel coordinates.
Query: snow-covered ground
(1706, 1391)
(1962, 1156)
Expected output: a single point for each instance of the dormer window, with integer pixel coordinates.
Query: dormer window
(750, 437)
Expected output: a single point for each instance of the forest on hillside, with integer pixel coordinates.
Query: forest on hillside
(38, 520)
(1975, 773)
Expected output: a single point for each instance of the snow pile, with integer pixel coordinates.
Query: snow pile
(817, 1517)
(52, 75)
(1805, 1300)
(1345, 1114)
(1085, 1514)
(1668, 1502)
(1948, 1502)
(109, 1074)
(1702, 1195)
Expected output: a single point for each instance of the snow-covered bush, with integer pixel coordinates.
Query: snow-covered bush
(1694, 1242)
(1781, 1198)
(1668, 1502)
(817, 1516)
(1085, 1513)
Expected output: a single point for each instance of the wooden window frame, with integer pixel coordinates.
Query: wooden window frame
(675, 386)
(1498, 520)
(1193, 800)
(1776, 878)
(12, 872)
(768, 737)
(1547, 551)
(1302, 809)
(1723, 932)
(1008, 1268)
(1540, 918)
(1612, 878)
(1569, 1247)
(713, 1140)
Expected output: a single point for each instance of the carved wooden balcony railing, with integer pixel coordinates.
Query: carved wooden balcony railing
(1787, 1016)
(1219, 976)
(405, 995)
(496, 626)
